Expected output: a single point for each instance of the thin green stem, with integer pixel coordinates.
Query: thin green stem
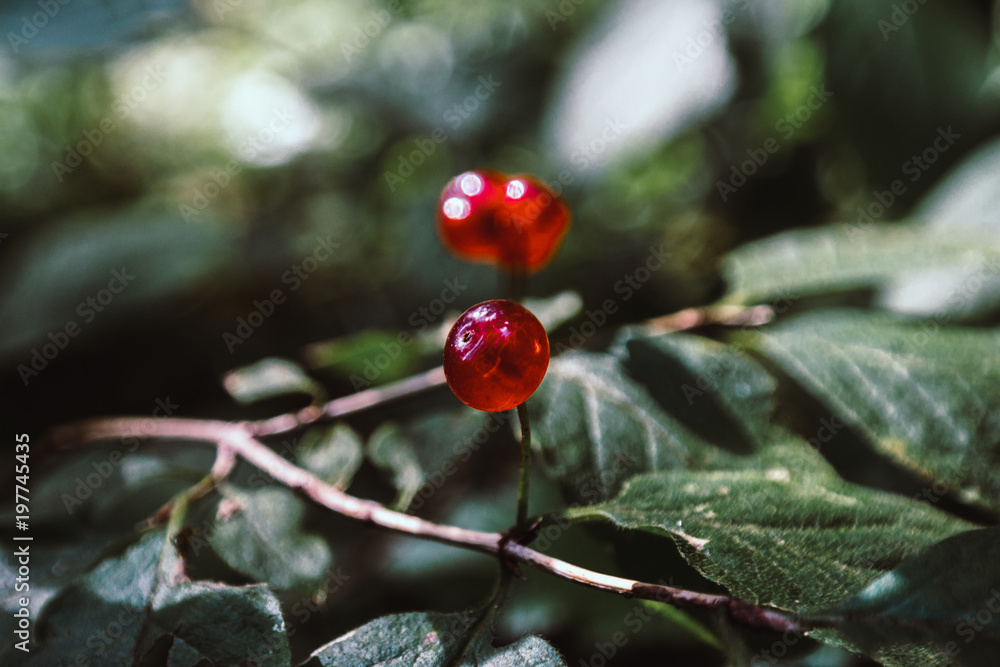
(485, 617)
(522, 488)
(513, 280)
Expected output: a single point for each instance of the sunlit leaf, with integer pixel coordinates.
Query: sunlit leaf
(923, 395)
(776, 537)
(268, 378)
(389, 450)
(369, 358)
(853, 255)
(334, 454)
(965, 200)
(555, 310)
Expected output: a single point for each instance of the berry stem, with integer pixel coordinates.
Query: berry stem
(522, 488)
(513, 280)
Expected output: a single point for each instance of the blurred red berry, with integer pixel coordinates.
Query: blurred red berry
(516, 221)
(465, 214)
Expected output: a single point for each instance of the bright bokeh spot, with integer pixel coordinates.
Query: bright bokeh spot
(267, 120)
(515, 189)
(457, 208)
(471, 184)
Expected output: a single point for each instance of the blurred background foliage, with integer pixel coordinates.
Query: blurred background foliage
(222, 150)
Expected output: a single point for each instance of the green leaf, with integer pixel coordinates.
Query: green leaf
(455, 434)
(268, 378)
(370, 357)
(259, 533)
(850, 256)
(154, 252)
(922, 394)
(596, 428)
(555, 310)
(965, 199)
(231, 624)
(715, 390)
(772, 536)
(948, 597)
(333, 454)
(427, 638)
(115, 613)
(389, 450)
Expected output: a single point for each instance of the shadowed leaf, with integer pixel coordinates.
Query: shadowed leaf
(259, 533)
(428, 638)
(947, 596)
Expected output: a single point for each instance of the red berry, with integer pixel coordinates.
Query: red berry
(496, 355)
(515, 221)
(465, 214)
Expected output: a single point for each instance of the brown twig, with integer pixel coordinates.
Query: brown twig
(725, 315)
(238, 439)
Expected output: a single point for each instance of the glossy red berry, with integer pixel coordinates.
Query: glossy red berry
(496, 355)
(515, 221)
